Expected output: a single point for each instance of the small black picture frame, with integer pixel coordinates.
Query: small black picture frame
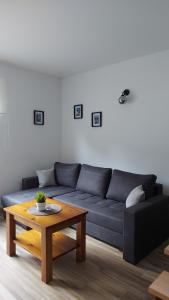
(78, 111)
(96, 118)
(38, 117)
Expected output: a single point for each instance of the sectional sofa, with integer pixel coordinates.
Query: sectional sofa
(136, 230)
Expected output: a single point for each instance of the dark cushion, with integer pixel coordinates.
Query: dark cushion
(27, 195)
(122, 183)
(66, 174)
(104, 212)
(94, 180)
(30, 182)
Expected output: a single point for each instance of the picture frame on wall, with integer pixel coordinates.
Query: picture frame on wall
(38, 117)
(78, 111)
(96, 118)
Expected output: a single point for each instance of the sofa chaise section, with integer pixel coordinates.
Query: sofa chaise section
(66, 176)
(29, 194)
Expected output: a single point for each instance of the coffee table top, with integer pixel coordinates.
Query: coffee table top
(160, 287)
(68, 214)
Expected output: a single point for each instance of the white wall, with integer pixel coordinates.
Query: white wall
(25, 147)
(134, 136)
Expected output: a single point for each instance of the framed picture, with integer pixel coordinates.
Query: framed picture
(78, 111)
(38, 117)
(97, 119)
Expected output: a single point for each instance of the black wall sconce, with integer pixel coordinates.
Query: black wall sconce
(123, 98)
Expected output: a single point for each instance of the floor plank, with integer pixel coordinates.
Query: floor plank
(104, 275)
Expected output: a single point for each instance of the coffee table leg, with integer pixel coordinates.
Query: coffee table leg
(81, 240)
(11, 231)
(46, 263)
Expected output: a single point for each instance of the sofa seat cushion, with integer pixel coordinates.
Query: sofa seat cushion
(27, 195)
(104, 212)
(94, 180)
(66, 174)
(122, 183)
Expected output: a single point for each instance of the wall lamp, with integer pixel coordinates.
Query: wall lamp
(124, 96)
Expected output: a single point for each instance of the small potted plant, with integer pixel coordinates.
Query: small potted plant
(40, 201)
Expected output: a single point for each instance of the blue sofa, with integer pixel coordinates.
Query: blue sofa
(136, 230)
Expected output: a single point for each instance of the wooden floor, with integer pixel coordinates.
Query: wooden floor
(104, 276)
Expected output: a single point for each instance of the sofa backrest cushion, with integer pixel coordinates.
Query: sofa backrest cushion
(66, 174)
(94, 180)
(122, 183)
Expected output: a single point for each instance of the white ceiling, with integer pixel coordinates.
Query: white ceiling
(64, 37)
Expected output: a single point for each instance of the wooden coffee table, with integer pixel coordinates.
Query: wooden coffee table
(44, 239)
(160, 287)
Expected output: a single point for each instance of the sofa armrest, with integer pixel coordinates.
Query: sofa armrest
(158, 189)
(146, 226)
(30, 183)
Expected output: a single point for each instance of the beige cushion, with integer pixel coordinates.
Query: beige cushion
(136, 195)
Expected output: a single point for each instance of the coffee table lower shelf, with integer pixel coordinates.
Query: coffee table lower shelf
(31, 241)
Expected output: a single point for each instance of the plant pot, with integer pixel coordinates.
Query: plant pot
(41, 206)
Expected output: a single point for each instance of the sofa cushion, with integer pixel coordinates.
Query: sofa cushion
(122, 183)
(66, 174)
(94, 180)
(136, 196)
(27, 195)
(46, 177)
(104, 212)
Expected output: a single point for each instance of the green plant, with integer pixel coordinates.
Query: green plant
(40, 197)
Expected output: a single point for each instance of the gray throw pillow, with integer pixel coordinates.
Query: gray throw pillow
(136, 195)
(46, 177)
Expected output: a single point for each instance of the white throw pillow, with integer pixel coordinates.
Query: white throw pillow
(46, 177)
(136, 195)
